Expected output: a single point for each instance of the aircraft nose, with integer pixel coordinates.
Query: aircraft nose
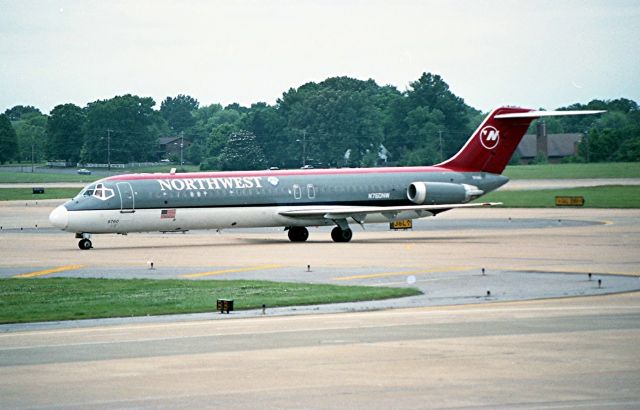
(59, 217)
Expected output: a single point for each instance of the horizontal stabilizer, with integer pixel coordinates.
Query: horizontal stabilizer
(538, 114)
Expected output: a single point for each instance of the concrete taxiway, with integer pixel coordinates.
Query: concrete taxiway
(550, 353)
(562, 353)
(526, 254)
(601, 241)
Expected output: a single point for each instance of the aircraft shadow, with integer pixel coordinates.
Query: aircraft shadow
(286, 242)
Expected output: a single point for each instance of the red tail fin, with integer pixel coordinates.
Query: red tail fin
(491, 146)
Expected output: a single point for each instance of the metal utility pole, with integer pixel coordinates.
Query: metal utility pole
(304, 147)
(32, 154)
(181, 150)
(109, 149)
(440, 136)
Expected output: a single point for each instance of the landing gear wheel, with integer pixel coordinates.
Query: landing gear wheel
(85, 244)
(298, 234)
(341, 235)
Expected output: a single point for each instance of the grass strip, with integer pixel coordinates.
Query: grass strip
(43, 177)
(7, 177)
(47, 299)
(595, 197)
(26, 194)
(574, 171)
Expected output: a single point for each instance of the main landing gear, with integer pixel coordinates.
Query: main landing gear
(341, 235)
(301, 234)
(298, 234)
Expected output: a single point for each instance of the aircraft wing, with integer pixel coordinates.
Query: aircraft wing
(357, 212)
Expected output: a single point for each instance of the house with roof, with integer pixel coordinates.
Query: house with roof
(170, 146)
(555, 147)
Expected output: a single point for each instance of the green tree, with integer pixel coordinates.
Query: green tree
(65, 132)
(582, 123)
(16, 113)
(242, 152)
(219, 138)
(424, 136)
(269, 128)
(331, 119)
(432, 92)
(122, 129)
(204, 123)
(215, 143)
(31, 135)
(612, 136)
(211, 117)
(179, 112)
(8, 140)
(629, 151)
(194, 153)
(428, 121)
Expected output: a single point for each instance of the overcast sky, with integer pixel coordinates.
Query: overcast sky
(528, 53)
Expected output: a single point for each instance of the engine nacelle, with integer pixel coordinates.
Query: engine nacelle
(434, 193)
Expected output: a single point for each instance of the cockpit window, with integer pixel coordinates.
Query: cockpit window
(102, 192)
(97, 191)
(89, 190)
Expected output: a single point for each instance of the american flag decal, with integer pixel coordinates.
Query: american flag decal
(167, 214)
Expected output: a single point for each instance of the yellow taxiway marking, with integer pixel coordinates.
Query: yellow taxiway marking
(404, 273)
(222, 272)
(48, 271)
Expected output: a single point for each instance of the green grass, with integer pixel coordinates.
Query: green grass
(595, 197)
(26, 194)
(35, 300)
(42, 177)
(574, 171)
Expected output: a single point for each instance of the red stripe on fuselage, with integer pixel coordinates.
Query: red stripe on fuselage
(287, 172)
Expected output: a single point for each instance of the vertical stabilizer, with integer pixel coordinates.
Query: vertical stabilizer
(491, 146)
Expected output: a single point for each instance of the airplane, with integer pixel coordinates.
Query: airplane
(297, 199)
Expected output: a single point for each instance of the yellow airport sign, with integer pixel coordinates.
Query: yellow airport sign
(402, 224)
(569, 201)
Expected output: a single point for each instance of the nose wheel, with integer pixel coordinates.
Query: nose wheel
(341, 235)
(85, 244)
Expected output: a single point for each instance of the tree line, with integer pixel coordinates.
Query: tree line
(339, 122)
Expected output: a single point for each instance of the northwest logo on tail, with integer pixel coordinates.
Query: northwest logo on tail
(489, 137)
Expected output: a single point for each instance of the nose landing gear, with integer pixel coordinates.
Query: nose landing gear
(85, 243)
